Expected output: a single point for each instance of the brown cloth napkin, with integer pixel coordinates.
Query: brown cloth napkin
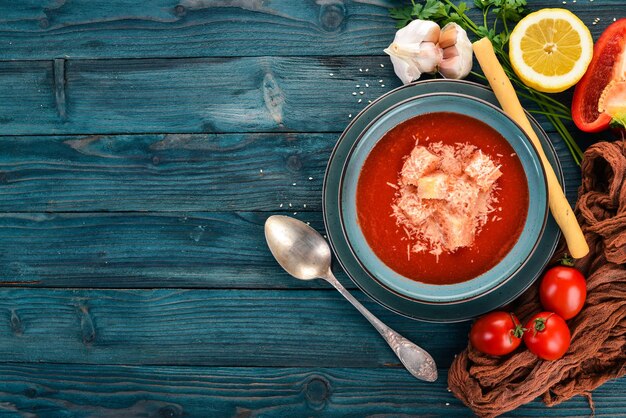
(491, 386)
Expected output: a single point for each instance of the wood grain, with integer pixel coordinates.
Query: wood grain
(138, 250)
(153, 391)
(31, 29)
(296, 328)
(174, 173)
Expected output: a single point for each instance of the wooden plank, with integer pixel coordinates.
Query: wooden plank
(136, 250)
(200, 95)
(87, 391)
(189, 28)
(33, 29)
(174, 173)
(144, 250)
(200, 327)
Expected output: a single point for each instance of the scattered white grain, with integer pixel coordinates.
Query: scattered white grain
(367, 85)
(350, 115)
(310, 178)
(614, 19)
(382, 65)
(295, 213)
(449, 390)
(308, 223)
(360, 70)
(369, 101)
(325, 236)
(331, 74)
(361, 92)
(261, 171)
(294, 184)
(367, 69)
(382, 85)
(380, 81)
(360, 100)
(280, 206)
(357, 86)
(447, 403)
(354, 93)
(304, 206)
(290, 205)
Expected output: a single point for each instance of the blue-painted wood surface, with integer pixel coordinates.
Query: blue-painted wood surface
(142, 146)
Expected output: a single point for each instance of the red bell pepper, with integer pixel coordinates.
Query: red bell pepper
(600, 96)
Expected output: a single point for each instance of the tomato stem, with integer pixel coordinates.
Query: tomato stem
(567, 260)
(540, 324)
(518, 331)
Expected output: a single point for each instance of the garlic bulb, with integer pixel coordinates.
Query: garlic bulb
(457, 52)
(414, 50)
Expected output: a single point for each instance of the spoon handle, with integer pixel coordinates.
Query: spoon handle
(416, 360)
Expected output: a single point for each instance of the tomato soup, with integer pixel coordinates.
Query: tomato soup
(376, 195)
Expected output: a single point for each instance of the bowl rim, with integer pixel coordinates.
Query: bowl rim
(541, 173)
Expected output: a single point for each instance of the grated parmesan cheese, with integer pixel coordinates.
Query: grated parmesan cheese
(445, 195)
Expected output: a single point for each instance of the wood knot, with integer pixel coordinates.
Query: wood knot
(16, 323)
(316, 392)
(294, 163)
(274, 98)
(59, 87)
(86, 326)
(44, 23)
(4, 178)
(332, 15)
(180, 10)
(156, 160)
(170, 411)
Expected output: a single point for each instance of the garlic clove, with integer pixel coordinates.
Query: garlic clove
(449, 67)
(429, 57)
(450, 52)
(414, 50)
(448, 36)
(457, 52)
(418, 31)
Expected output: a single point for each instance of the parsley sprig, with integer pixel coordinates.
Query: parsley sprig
(498, 19)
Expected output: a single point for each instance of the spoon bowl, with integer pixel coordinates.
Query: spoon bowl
(303, 253)
(297, 247)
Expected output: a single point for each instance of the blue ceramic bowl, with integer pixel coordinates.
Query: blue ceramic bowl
(535, 219)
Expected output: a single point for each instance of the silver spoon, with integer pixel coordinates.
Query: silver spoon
(304, 254)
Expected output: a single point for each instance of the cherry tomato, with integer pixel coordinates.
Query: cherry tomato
(563, 290)
(547, 335)
(497, 333)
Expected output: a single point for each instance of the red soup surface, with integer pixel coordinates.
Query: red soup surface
(375, 198)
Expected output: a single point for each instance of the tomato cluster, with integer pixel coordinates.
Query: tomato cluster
(562, 293)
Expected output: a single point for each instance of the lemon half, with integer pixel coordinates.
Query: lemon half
(550, 50)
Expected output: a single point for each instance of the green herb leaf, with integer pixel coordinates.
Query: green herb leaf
(403, 15)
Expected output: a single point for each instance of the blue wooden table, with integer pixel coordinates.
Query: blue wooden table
(142, 147)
